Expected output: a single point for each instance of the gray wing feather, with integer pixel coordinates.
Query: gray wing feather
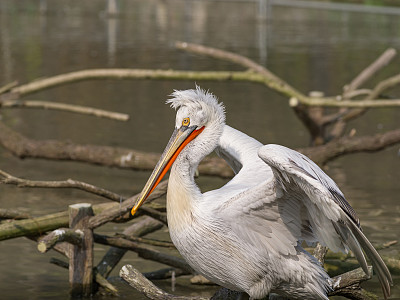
(295, 173)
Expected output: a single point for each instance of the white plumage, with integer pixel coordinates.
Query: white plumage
(247, 234)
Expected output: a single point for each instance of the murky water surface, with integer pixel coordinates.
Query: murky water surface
(312, 49)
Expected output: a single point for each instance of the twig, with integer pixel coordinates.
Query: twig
(69, 183)
(146, 287)
(386, 245)
(60, 235)
(368, 72)
(8, 87)
(64, 107)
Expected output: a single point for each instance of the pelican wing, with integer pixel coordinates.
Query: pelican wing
(333, 222)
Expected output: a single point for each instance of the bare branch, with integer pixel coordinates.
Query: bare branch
(270, 79)
(140, 228)
(368, 72)
(164, 273)
(64, 107)
(13, 214)
(125, 207)
(346, 145)
(320, 253)
(60, 235)
(332, 102)
(146, 287)
(144, 252)
(69, 183)
(23, 147)
(152, 242)
(8, 87)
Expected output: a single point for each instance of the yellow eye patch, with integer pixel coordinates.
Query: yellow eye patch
(186, 122)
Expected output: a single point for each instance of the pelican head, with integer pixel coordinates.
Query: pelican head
(200, 119)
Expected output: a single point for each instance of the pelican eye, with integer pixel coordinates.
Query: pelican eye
(186, 122)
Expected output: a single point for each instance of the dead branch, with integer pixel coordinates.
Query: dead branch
(146, 287)
(320, 253)
(13, 214)
(77, 76)
(60, 235)
(144, 252)
(64, 107)
(333, 102)
(271, 80)
(346, 145)
(104, 212)
(100, 280)
(155, 214)
(24, 147)
(69, 183)
(126, 206)
(142, 227)
(368, 72)
(348, 285)
(8, 87)
(165, 274)
(151, 242)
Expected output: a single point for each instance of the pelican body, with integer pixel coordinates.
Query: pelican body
(247, 235)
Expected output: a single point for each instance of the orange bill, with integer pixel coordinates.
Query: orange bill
(179, 139)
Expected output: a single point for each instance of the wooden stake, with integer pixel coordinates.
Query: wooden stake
(81, 257)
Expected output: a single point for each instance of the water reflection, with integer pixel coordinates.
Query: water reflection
(313, 49)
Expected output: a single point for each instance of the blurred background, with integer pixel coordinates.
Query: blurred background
(313, 45)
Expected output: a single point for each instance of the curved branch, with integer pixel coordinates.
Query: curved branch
(71, 77)
(346, 145)
(69, 183)
(271, 80)
(65, 107)
(369, 71)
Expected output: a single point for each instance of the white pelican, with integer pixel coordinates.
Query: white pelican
(246, 235)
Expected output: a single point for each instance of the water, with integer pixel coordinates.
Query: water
(312, 49)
